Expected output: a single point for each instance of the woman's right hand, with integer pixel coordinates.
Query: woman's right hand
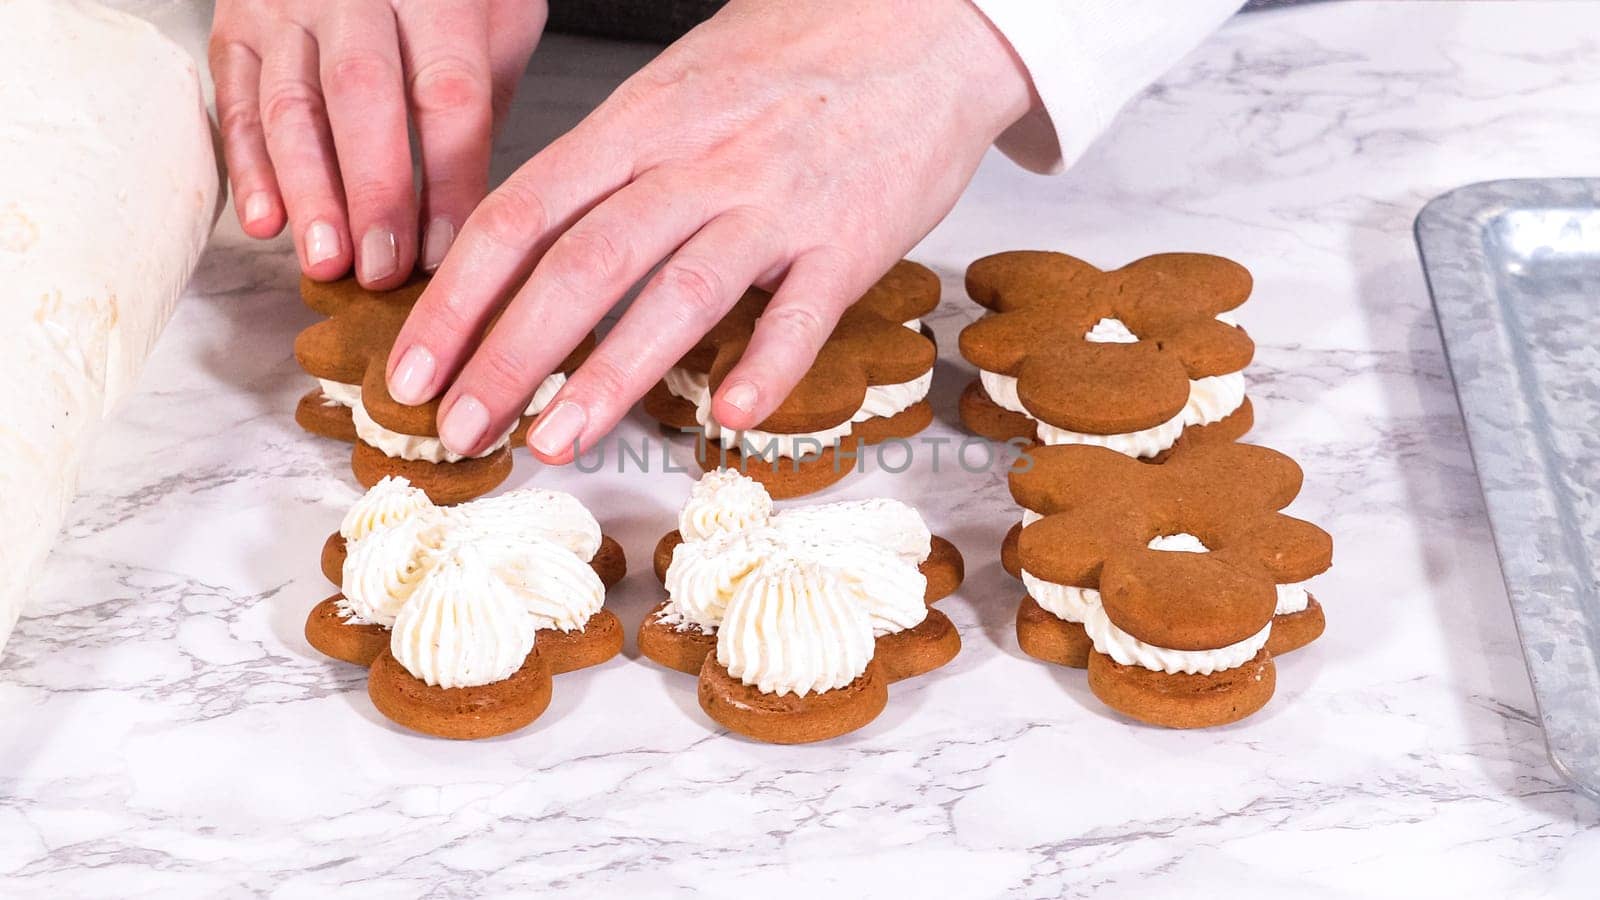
(314, 100)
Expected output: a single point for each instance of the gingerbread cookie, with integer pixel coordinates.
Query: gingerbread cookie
(1144, 359)
(869, 384)
(464, 613)
(347, 353)
(1144, 573)
(797, 621)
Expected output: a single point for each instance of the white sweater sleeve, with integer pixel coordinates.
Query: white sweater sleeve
(1088, 58)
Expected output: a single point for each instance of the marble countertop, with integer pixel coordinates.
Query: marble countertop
(168, 731)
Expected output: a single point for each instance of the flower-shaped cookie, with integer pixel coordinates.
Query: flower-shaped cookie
(869, 383)
(464, 613)
(1132, 359)
(347, 353)
(797, 621)
(1175, 585)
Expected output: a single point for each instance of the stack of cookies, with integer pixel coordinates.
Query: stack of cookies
(869, 384)
(1150, 544)
(347, 353)
(1174, 585)
(1145, 360)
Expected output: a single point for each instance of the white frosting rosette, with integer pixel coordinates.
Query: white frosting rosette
(465, 588)
(790, 573)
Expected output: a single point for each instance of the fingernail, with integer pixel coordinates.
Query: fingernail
(465, 424)
(379, 255)
(741, 396)
(322, 242)
(257, 206)
(558, 429)
(437, 243)
(409, 383)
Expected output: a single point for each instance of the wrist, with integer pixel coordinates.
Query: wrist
(996, 88)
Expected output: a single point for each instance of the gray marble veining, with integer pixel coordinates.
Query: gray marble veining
(169, 733)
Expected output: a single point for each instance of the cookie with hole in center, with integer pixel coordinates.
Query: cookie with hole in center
(1141, 573)
(1145, 359)
(347, 354)
(869, 384)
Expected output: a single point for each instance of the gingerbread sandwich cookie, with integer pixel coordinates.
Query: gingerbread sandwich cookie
(353, 625)
(463, 660)
(748, 587)
(1169, 582)
(1144, 360)
(464, 613)
(347, 354)
(869, 384)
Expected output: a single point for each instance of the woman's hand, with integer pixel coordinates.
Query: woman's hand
(313, 98)
(804, 146)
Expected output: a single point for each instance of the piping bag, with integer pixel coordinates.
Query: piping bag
(108, 191)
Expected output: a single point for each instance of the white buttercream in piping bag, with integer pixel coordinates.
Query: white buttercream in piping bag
(108, 191)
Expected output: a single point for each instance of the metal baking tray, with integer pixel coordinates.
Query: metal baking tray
(1514, 268)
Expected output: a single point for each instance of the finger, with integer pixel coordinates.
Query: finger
(514, 29)
(301, 149)
(494, 252)
(791, 331)
(237, 72)
(445, 47)
(361, 77)
(585, 272)
(677, 306)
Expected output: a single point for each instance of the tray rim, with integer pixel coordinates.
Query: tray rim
(1449, 233)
